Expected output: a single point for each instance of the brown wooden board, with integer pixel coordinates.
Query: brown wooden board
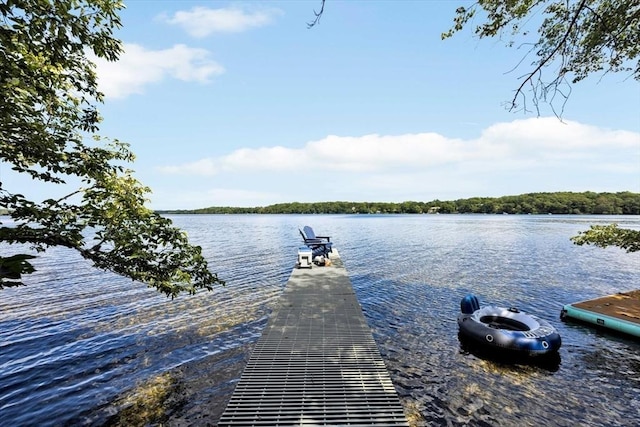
(623, 305)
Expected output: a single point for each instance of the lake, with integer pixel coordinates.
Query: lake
(79, 346)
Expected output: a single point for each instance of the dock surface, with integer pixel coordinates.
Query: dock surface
(623, 306)
(619, 312)
(316, 362)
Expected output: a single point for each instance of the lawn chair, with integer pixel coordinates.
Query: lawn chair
(310, 235)
(320, 245)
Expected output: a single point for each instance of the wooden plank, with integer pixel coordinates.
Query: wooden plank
(623, 305)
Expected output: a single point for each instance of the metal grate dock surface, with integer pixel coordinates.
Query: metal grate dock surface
(316, 363)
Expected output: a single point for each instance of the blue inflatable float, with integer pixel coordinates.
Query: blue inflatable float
(506, 330)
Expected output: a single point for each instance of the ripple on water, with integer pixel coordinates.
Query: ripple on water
(77, 344)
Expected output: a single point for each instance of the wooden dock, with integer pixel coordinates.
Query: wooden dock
(619, 312)
(316, 362)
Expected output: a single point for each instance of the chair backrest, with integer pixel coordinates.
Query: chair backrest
(308, 232)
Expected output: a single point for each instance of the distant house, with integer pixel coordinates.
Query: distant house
(434, 210)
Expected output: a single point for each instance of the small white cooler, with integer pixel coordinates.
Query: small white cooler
(305, 257)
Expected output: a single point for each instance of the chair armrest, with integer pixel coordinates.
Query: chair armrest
(311, 242)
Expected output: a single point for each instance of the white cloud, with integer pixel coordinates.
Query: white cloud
(376, 152)
(348, 154)
(139, 67)
(214, 197)
(523, 156)
(201, 21)
(551, 133)
(520, 145)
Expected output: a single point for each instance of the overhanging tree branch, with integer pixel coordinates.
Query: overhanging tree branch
(47, 113)
(318, 16)
(545, 60)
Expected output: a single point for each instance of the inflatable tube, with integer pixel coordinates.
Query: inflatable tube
(507, 330)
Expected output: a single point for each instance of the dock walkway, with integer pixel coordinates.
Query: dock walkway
(316, 362)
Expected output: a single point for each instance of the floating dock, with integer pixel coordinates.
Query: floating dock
(619, 312)
(316, 362)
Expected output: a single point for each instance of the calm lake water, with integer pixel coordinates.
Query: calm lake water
(83, 347)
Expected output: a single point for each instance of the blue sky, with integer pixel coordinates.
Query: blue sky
(239, 104)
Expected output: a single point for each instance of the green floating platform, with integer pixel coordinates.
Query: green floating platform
(619, 312)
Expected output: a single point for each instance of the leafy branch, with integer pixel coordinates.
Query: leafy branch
(48, 131)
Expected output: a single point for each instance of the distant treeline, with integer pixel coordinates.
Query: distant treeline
(624, 203)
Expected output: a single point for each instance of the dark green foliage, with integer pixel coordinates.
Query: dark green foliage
(623, 203)
(609, 235)
(12, 268)
(588, 203)
(48, 125)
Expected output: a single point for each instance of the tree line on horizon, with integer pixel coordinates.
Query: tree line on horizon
(586, 203)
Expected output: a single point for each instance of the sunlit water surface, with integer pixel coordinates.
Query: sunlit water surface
(83, 347)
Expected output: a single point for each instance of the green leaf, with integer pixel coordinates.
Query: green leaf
(12, 268)
(49, 124)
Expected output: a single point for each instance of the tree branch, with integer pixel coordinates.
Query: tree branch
(318, 16)
(550, 56)
(68, 196)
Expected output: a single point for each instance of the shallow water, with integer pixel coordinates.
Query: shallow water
(84, 347)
